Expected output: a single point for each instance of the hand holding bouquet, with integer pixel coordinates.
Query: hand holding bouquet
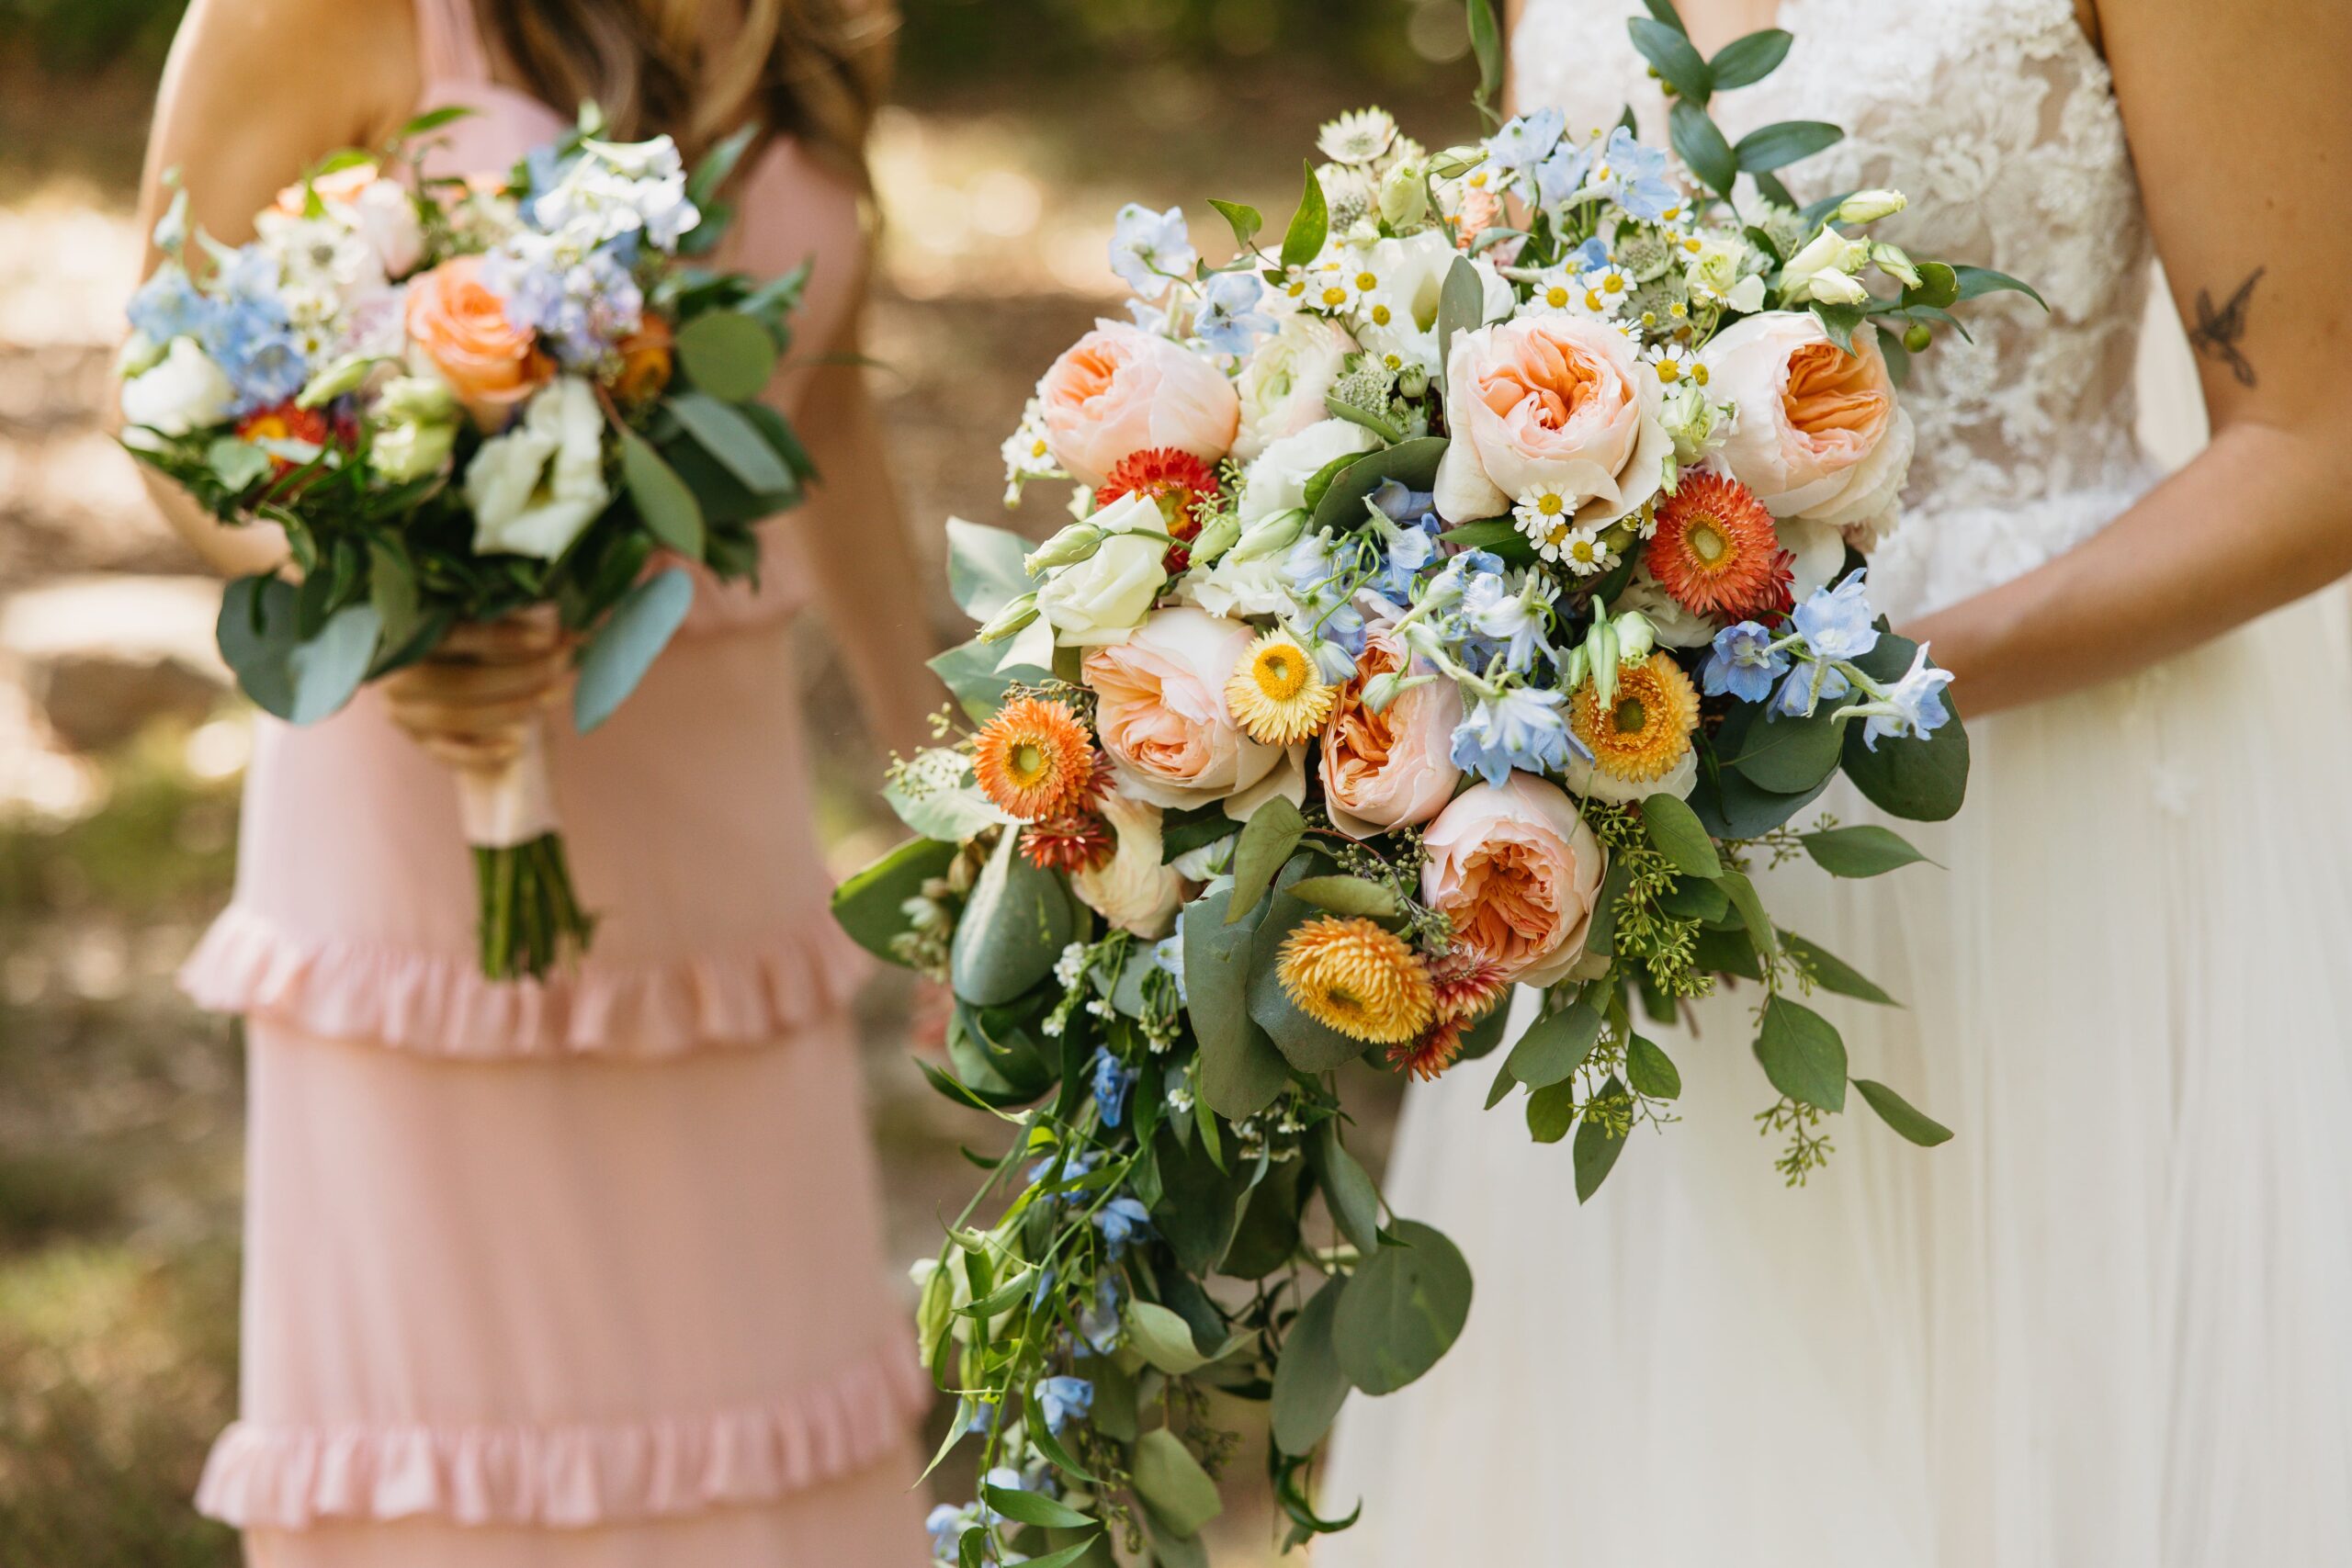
(1466, 594)
(483, 410)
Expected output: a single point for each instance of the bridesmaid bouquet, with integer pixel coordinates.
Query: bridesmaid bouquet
(464, 400)
(1466, 593)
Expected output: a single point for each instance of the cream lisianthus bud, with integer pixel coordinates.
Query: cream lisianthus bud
(1270, 535)
(344, 375)
(1403, 195)
(1072, 546)
(1010, 619)
(1869, 206)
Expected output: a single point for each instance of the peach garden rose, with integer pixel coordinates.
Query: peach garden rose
(1519, 872)
(1554, 401)
(1819, 435)
(1121, 390)
(1160, 712)
(458, 327)
(1394, 769)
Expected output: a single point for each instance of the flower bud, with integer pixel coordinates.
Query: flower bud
(344, 375)
(1074, 544)
(1895, 263)
(1383, 690)
(1636, 636)
(1574, 666)
(1011, 619)
(416, 399)
(1270, 535)
(1216, 538)
(1601, 651)
(1456, 162)
(1869, 206)
(1404, 196)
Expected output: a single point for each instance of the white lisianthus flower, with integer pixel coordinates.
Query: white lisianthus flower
(1696, 423)
(383, 214)
(1824, 270)
(1869, 206)
(534, 488)
(414, 423)
(1277, 480)
(181, 392)
(1103, 598)
(1711, 266)
(1133, 890)
(1282, 385)
(1670, 622)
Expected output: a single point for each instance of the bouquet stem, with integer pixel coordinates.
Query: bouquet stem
(529, 918)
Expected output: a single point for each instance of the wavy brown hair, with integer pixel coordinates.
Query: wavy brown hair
(812, 69)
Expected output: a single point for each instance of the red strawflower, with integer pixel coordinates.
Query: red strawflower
(1469, 982)
(1177, 480)
(285, 422)
(1716, 551)
(1430, 1054)
(1076, 841)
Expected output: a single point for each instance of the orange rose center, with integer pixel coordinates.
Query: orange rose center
(1834, 397)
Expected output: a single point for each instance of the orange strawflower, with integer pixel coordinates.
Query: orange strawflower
(1353, 977)
(1430, 1054)
(1716, 551)
(1072, 842)
(1034, 760)
(1647, 729)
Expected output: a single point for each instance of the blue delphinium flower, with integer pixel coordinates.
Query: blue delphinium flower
(1509, 618)
(1560, 178)
(1228, 321)
(1112, 1080)
(1121, 1221)
(1636, 176)
(1169, 954)
(1591, 254)
(1097, 1326)
(1526, 141)
(1075, 1166)
(1743, 663)
(1064, 1400)
(1800, 695)
(168, 306)
(1321, 587)
(1146, 248)
(1917, 699)
(1521, 727)
(1836, 622)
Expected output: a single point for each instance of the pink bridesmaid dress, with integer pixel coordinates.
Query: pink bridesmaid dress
(586, 1273)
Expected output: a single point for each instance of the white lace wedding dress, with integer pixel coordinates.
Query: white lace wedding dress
(2107, 1324)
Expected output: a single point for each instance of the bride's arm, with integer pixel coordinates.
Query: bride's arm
(2241, 128)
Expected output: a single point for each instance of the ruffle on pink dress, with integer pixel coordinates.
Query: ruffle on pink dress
(585, 1273)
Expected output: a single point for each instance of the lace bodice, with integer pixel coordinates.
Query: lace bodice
(1998, 121)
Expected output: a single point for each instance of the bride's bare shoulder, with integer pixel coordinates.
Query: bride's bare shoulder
(323, 69)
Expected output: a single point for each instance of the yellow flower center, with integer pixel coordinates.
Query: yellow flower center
(1592, 299)
(1367, 281)
(1630, 716)
(1698, 374)
(1335, 296)
(1669, 371)
(1556, 296)
(1280, 672)
(1380, 315)
(1549, 505)
(1614, 285)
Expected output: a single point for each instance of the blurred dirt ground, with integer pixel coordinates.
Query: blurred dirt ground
(120, 748)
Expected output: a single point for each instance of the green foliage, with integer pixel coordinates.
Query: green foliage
(727, 354)
(1309, 226)
(1803, 1054)
(1899, 1113)
(626, 646)
(1015, 924)
(1402, 1309)
(1310, 1385)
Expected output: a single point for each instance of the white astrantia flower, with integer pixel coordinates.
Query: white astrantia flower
(1359, 136)
(534, 488)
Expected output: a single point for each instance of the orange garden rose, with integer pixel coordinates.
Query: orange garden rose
(645, 361)
(1820, 434)
(1517, 872)
(1121, 390)
(1394, 769)
(459, 328)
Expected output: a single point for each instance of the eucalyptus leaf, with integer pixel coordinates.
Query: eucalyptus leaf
(868, 905)
(1803, 1054)
(671, 513)
(1015, 923)
(1172, 1485)
(238, 465)
(971, 672)
(1701, 145)
(1347, 895)
(1552, 1111)
(1033, 1508)
(299, 680)
(1555, 1046)
(1402, 1309)
(1920, 779)
(1309, 226)
(1789, 756)
(1976, 281)
(1412, 464)
(1486, 49)
(936, 796)
(1748, 60)
(1676, 832)
(984, 570)
(1650, 1071)
(1245, 220)
(626, 646)
(1594, 1153)
(1461, 306)
(1309, 1386)
(1241, 1072)
(1272, 831)
(1742, 894)
(1864, 851)
(1832, 973)
(727, 354)
(1778, 145)
(1669, 51)
(726, 434)
(1902, 1116)
(1354, 1201)
(1499, 534)
(1161, 1338)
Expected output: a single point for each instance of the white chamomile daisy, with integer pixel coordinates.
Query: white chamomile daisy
(1381, 309)
(1359, 136)
(1606, 288)
(1584, 552)
(1554, 293)
(1677, 211)
(1026, 453)
(1546, 516)
(1676, 364)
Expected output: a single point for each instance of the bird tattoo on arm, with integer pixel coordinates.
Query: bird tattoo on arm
(2218, 334)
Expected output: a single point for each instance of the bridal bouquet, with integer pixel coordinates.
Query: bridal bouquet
(464, 399)
(1465, 593)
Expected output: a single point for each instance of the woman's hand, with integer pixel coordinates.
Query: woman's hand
(473, 701)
